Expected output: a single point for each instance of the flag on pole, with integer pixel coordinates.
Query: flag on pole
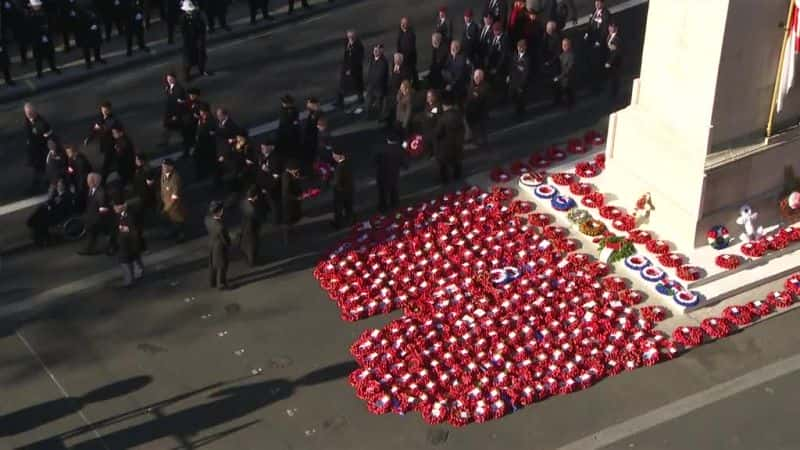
(790, 51)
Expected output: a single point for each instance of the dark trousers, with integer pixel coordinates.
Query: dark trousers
(388, 197)
(6, 73)
(44, 52)
(171, 22)
(566, 93)
(304, 3)
(89, 52)
(111, 19)
(614, 82)
(255, 5)
(374, 104)
(250, 242)
(519, 97)
(218, 14)
(201, 66)
(148, 9)
(447, 166)
(67, 33)
(93, 231)
(342, 208)
(137, 32)
(479, 131)
(217, 275)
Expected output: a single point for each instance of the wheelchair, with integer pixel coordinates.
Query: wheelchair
(70, 230)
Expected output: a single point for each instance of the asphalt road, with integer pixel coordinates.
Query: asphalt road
(175, 365)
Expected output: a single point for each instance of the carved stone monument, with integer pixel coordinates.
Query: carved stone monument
(693, 135)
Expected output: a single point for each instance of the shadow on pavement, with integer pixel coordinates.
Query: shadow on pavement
(226, 402)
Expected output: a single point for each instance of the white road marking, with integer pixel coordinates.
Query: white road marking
(273, 125)
(59, 386)
(686, 405)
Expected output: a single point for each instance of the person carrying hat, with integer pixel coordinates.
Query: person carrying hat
(193, 29)
(304, 3)
(343, 190)
(219, 243)
(42, 38)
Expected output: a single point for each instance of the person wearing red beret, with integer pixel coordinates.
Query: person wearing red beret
(444, 26)
(470, 38)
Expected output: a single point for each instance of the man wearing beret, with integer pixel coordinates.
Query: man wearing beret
(219, 242)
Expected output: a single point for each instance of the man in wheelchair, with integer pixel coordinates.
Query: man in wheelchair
(55, 212)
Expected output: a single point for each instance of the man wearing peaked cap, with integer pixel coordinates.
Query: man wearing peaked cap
(193, 29)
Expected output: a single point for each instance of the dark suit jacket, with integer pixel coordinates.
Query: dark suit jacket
(598, 26)
(343, 177)
(519, 72)
(497, 55)
(378, 76)
(219, 240)
(450, 134)
(456, 74)
(470, 41)
(614, 56)
(497, 8)
(407, 45)
(388, 162)
(438, 61)
(93, 204)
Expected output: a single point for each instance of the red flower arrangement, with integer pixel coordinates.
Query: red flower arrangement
(657, 247)
(640, 236)
(310, 193)
(688, 273)
(688, 336)
(539, 219)
(498, 175)
(600, 160)
(792, 284)
(780, 299)
(593, 138)
(653, 313)
(614, 284)
(625, 222)
(630, 298)
(728, 262)
(563, 179)
(760, 308)
(593, 200)
(522, 206)
(519, 167)
(554, 153)
(777, 241)
(538, 161)
(580, 189)
(611, 212)
(670, 259)
(716, 327)
(754, 249)
(323, 170)
(576, 146)
(586, 169)
(738, 315)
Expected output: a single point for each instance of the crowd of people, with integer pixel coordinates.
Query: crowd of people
(493, 62)
(34, 26)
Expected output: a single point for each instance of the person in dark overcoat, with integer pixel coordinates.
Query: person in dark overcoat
(129, 241)
(101, 130)
(498, 9)
(444, 26)
(219, 243)
(476, 108)
(193, 30)
(550, 51)
(377, 82)
(60, 205)
(37, 131)
(429, 120)
(388, 162)
(456, 73)
(55, 162)
(134, 27)
(407, 46)
(78, 168)
(12, 20)
(563, 83)
(289, 136)
(5, 61)
(145, 192)
(470, 39)
(174, 103)
(124, 155)
(252, 208)
(497, 59)
(41, 38)
(90, 37)
(190, 114)
(400, 71)
(519, 78)
(69, 22)
(613, 64)
(597, 37)
(205, 145)
(172, 10)
(291, 198)
(351, 76)
(439, 52)
(450, 147)
(268, 180)
(343, 190)
(98, 216)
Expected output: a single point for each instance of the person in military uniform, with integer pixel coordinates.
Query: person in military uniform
(351, 75)
(613, 64)
(497, 59)
(519, 78)
(42, 38)
(37, 132)
(470, 39)
(597, 38)
(129, 241)
(172, 199)
(450, 147)
(255, 5)
(90, 38)
(268, 180)
(219, 243)
(193, 29)
(343, 190)
(112, 13)
(144, 190)
(135, 27)
(13, 20)
(5, 62)
(124, 155)
(101, 130)
(252, 209)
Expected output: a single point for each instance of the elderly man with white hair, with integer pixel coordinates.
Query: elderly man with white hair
(37, 131)
(98, 216)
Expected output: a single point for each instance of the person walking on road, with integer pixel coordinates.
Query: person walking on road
(252, 208)
(219, 243)
(37, 131)
(135, 27)
(97, 218)
(101, 129)
(343, 190)
(172, 200)
(129, 241)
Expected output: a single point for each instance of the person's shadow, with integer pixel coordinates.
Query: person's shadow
(225, 405)
(35, 416)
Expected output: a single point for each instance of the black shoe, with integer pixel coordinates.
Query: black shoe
(57, 71)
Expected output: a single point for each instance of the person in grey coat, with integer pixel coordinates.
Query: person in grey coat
(563, 82)
(219, 242)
